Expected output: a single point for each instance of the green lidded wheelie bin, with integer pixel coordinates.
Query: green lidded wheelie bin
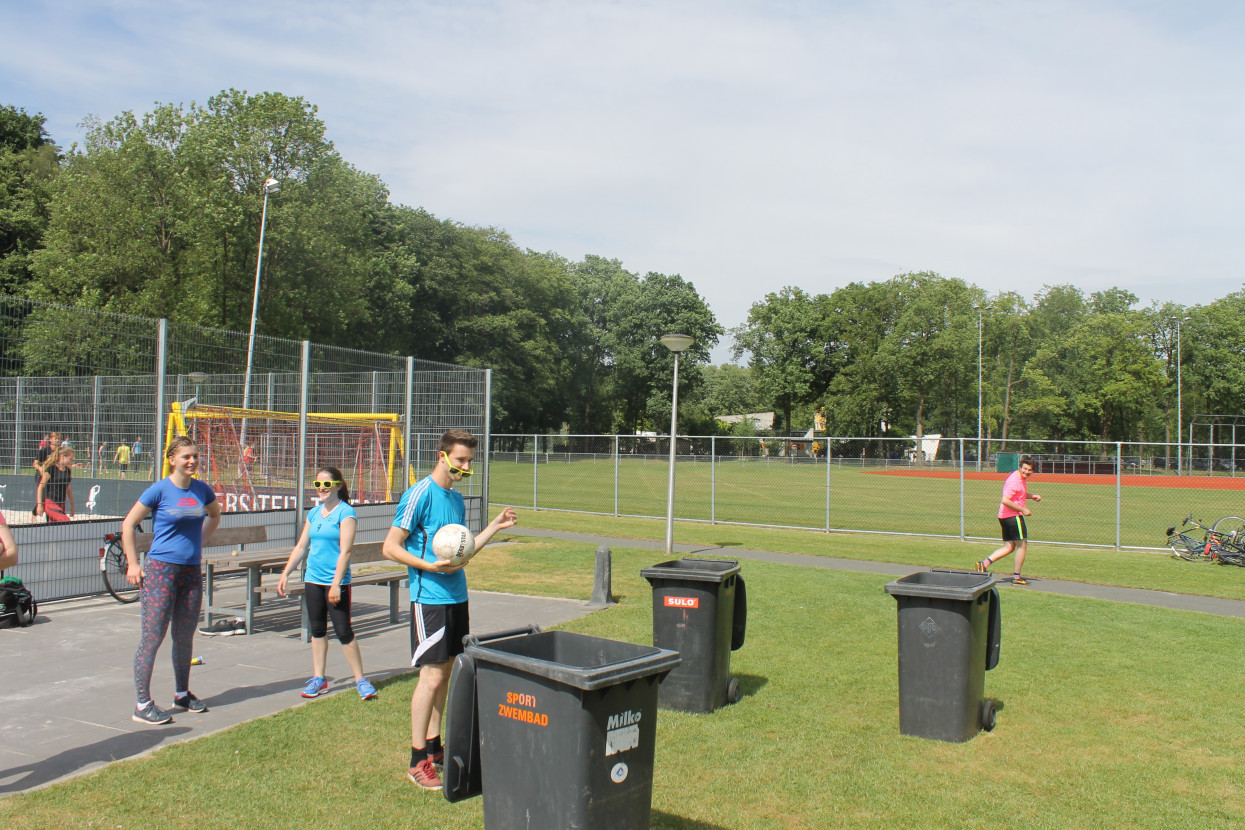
(556, 729)
(949, 635)
(1007, 462)
(700, 609)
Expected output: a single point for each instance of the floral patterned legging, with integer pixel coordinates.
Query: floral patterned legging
(169, 593)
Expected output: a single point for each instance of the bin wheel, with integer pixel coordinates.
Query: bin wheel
(732, 690)
(987, 715)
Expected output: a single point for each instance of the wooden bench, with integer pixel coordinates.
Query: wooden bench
(224, 537)
(237, 558)
(360, 554)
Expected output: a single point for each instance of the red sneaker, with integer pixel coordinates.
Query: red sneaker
(424, 775)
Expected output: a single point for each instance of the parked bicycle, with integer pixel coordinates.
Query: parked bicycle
(1224, 541)
(113, 567)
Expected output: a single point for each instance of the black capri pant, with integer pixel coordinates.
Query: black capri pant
(319, 611)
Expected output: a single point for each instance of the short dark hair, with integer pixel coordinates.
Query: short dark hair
(456, 436)
(1024, 459)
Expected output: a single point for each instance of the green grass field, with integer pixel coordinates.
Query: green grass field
(775, 492)
(1112, 715)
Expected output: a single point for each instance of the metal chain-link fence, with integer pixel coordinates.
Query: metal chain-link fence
(1094, 494)
(117, 387)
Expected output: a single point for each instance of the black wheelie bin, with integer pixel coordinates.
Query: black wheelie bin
(555, 729)
(700, 609)
(949, 636)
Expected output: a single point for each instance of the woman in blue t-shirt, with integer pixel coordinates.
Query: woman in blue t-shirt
(184, 512)
(329, 531)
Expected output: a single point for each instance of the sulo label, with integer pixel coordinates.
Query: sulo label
(681, 602)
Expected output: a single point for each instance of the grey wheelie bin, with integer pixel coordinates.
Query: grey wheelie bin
(949, 636)
(700, 609)
(555, 729)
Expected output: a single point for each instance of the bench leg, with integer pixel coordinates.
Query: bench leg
(252, 597)
(394, 587)
(208, 572)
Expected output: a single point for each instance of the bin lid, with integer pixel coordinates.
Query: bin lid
(942, 583)
(697, 570)
(577, 660)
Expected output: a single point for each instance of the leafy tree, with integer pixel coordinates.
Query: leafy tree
(29, 163)
(928, 346)
(1007, 347)
(159, 216)
(21, 131)
(791, 360)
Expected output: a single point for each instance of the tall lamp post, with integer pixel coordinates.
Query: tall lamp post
(270, 186)
(979, 310)
(675, 343)
(1179, 407)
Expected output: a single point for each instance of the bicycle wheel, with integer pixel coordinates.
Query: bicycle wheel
(1232, 527)
(113, 568)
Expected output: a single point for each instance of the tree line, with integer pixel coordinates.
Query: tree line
(159, 215)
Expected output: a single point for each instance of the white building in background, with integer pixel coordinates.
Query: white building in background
(761, 421)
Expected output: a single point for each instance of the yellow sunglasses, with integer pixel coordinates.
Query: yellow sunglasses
(324, 485)
(454, 470)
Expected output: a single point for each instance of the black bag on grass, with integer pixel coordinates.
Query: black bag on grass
(17, 605)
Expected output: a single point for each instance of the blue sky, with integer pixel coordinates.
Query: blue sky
(743, 145)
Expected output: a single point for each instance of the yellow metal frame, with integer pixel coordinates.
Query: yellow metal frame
(179, 415)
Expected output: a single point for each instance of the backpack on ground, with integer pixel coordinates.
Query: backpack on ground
(17, 604)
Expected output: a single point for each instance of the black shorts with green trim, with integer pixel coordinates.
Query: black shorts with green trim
(1014, 529)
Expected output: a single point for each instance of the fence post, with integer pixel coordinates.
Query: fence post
(615, 475)
(94, 426)
(827, 482)
(1119, 465)
(488, 440)
(961, 489)
(535, 470)
(410, 420)
(713, 479)
(300, 486)
(17, 427)
(162, 354)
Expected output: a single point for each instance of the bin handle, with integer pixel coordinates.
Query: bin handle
(473, 640)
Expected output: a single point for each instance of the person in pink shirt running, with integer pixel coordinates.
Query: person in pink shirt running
(1012, 512)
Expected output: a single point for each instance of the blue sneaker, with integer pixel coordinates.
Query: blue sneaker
(366, 690)
(315, 687)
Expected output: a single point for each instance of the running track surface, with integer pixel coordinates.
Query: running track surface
(1173, 482)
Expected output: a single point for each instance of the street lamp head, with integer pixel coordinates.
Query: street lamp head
(677, 342)
(271, 186)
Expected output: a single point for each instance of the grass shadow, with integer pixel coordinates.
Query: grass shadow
(658, 819)
(750, 684)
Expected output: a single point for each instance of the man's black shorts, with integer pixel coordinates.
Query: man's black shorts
(437, 632)
(1014, 529)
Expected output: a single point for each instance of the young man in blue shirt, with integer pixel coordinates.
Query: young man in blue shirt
(439, 616)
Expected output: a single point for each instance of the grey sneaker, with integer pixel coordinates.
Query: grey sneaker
(221, 628)
(151, 714)
(239, 626)
(190, 703)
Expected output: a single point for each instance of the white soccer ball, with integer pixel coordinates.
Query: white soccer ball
(454, 543)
